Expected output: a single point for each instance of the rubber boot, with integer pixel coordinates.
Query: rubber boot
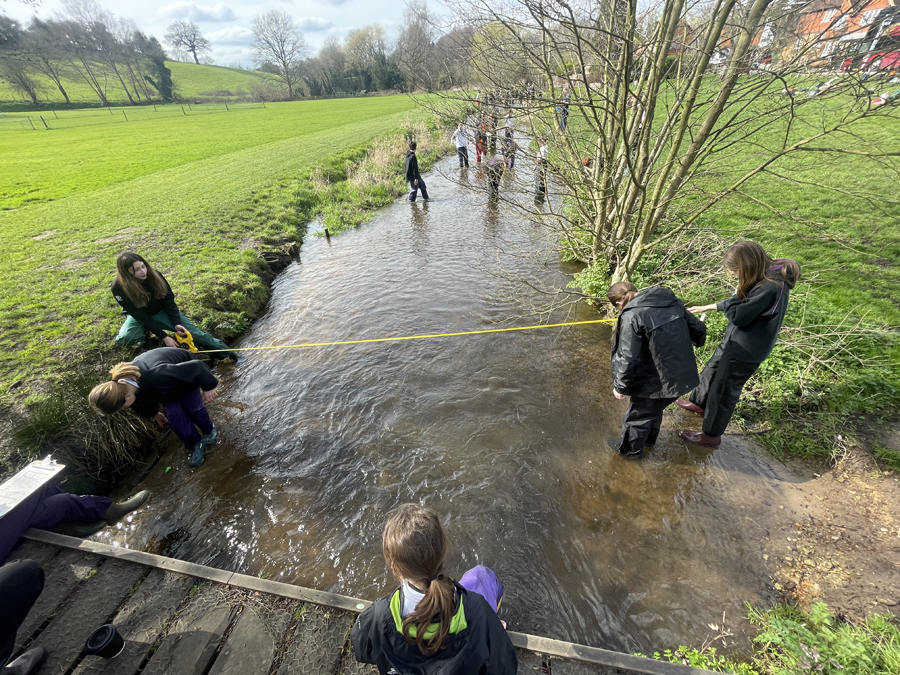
(27, 663)
(210, 438)
(118, 511)
(197, 454)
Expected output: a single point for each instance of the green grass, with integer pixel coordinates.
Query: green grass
(191, 81)
(199, 207)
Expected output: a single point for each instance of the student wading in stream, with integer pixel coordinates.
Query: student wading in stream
(169, 377)
(652, 360)
(413, 176)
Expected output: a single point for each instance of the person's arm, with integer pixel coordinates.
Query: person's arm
(626, 356)
(760, 300)
(502, 656)
(139, 314)
(361, 636)
(696, 328)
(192, 373)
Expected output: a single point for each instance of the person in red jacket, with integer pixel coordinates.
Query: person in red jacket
(431, 624)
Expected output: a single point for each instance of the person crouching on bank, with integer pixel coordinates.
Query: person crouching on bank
(169, 377)
(652, 359)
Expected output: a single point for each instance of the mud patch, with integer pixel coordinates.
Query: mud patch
(44, 235)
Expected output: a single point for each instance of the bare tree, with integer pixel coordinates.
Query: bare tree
(44, 51)
(416, 50)
(277, 42)
(185, 36)
(640, 116)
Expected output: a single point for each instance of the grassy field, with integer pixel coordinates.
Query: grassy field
(199, 197)
(191, 81)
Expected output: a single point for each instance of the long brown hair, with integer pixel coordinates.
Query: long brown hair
(414, 546)
(109, 397)
(753, 265)
(624, 291)
(136, 290)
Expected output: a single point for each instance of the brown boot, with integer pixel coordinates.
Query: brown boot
(699, 438)
(684, 404)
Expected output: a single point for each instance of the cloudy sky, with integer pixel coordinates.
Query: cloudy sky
(227, 24)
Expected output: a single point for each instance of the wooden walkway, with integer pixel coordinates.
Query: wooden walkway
(180, 618)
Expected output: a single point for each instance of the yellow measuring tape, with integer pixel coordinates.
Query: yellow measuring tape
(411, 337)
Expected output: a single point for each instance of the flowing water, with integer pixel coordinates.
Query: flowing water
(504, 434)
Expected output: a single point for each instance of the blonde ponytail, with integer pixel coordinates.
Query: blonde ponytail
(109, 397)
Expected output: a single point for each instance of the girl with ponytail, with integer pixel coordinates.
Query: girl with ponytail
(170, 378)
(755, 313)
(431, 624)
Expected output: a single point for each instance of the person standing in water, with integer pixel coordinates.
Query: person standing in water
(431, 624)
(170, 378)
(755, 314)
(146, 297)
(652, 360)
(462, 143)
(413, 177)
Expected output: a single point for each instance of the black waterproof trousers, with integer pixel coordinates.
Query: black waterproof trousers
(21, 582)
(721, 383)
(641, 425)
(463, 153)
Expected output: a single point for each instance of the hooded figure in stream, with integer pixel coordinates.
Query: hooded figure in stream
(652, 359)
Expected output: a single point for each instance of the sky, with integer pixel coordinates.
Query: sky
(227, 24)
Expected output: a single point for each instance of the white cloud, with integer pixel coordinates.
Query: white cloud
(312, 24)
(333, 3)
(195, 12)
(235, 35)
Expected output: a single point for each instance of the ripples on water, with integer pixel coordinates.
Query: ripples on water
(504, 434)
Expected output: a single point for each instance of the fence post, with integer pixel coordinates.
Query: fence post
(154, 108)
(54, 114)
(110, 110)
(264, 104)
(190, 108)
(124, 115)
(226, 107)
(31, 123)
(182, 110)
(44, 121)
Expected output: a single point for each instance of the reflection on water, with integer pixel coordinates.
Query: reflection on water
(504, 434)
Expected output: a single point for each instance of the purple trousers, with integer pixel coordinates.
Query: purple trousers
(47, 507)
(185, 415)
(413, 190)
(484, 581)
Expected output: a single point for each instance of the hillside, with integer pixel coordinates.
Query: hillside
(191, 82)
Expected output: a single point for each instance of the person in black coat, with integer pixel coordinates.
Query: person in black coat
(652, 359)
(431, 624)
(169, 377)
(413, 177)
(149, 303)
(755, 314)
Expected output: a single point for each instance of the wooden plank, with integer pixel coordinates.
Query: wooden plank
(62, 576)
(567, 667)
(141, 621)
(93, 605)
(318, 642)
(42, 554)
(250, 648)
(530, 663)
(190, 645)
(299, 593)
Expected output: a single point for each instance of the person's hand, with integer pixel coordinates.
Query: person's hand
(169, 342)
(161, 419)
(181, 330)
(699, 309)
(210, 395)
(618, 395)
(416, 181)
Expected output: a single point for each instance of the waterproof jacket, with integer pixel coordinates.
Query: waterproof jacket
(144, 315)
(412, 166)
(477, 644)
(168, 374)
(651, 347)
(754, 321)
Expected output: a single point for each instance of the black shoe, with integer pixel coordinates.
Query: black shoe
(614, 444)
(234, 356)
(118, 511)
(27, 663)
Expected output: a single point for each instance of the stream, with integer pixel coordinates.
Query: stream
(503, 434)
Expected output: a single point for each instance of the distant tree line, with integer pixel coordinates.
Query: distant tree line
(84, 43)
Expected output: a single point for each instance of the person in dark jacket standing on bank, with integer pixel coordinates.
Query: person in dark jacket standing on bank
(413, 177)
(146, 297)
(431, 624)
(652, 359)
(755, 313)
(169, 377)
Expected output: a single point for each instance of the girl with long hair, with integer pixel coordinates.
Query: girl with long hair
(148, 300)
(431, 624)
(170, 378)
(755, 314)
